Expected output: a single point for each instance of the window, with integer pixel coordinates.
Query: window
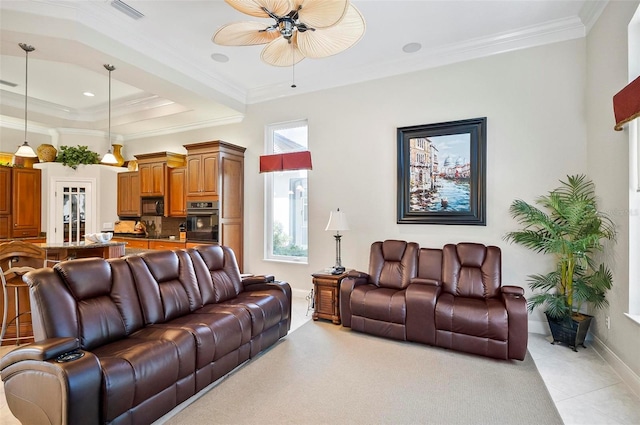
(286, 197)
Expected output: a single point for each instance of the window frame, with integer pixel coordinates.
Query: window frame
(270, 130)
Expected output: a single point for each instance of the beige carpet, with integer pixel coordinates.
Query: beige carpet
(327, 374)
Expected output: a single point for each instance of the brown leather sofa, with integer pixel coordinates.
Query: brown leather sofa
(124, 341)
(451, 297)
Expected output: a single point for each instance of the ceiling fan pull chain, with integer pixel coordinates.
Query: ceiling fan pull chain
(293, 67)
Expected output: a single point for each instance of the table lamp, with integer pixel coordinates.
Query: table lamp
(337, 222)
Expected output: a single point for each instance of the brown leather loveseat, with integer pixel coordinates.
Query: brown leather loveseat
(124, 341)
(451, 297)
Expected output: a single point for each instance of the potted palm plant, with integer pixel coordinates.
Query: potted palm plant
(568, 226)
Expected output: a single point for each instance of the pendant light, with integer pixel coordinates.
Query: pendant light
(109, 158)
(25, 150)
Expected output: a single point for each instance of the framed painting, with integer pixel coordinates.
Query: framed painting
(442, 173)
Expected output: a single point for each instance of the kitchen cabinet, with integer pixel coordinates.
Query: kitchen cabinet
(140, 243)
(129, 194)
(5, 202)
(215, 172)
(154, 170)
(152, 179)
(25, 202)
(202, 175)
(177, 192)
(162, 244)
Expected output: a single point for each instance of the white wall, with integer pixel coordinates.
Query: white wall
(608, 165)
(534, 104)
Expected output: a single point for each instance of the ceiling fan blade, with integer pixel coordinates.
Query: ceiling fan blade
(282, 53)
(244, 34)
(329, 41)
(321, 13)
(254, 7)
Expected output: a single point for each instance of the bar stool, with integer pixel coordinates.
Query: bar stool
(16, 259)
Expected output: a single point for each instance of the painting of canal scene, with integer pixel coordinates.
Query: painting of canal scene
(441, 173)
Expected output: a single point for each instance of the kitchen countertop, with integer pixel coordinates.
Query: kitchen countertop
(78, 245)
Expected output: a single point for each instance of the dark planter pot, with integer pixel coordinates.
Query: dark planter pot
(570, 331)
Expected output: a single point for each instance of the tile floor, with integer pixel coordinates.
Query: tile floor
(599, 397)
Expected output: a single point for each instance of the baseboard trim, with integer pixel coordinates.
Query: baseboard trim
(624, 371)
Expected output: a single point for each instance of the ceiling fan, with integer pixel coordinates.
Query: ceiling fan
(302, 29)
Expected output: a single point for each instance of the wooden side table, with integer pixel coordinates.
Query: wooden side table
(326, 296)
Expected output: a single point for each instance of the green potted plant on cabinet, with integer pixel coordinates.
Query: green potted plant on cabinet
(568, 226)
(72, 156)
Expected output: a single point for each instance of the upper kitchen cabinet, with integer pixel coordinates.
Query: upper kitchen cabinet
(154, 171)
(206, 164)
(25, 202)
(129, 194)
(177, 192)
(202, 173)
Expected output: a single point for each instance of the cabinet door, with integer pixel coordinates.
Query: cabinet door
(26, 206)
(209, 174)
(5, 226)
(5, 193)
(202, 175)
(146, 179)
(129, 194)
(152, 178)
(177, 192)
(193, 175)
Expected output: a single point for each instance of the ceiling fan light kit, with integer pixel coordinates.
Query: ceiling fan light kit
(302, 29)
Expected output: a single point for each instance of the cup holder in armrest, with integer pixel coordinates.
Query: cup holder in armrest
(69, 357)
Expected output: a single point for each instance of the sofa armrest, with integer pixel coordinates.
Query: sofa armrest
(42, 387)
(353, 279)
(253, 279)
(42, 350)
(429, 282)
(512, 290)
(516, 305)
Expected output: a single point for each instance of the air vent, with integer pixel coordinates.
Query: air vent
(8, 83)
(126, 9)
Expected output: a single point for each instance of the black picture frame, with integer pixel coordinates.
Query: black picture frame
(437, 182)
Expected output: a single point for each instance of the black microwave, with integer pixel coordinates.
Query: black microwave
(153, 206)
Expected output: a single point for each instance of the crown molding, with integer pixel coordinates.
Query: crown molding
(183, 128)
(591, 11)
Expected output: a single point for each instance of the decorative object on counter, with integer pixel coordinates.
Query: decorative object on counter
(337, 222)
(140, 228)
(98, 237)
(132, 165)
(72, 156)
(25, 150)
(46, 152)
(6, 159)
(183, 231)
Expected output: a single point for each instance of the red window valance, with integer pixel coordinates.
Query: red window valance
(285, 162)
(626, 104)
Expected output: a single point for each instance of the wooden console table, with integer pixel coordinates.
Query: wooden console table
(326, 296)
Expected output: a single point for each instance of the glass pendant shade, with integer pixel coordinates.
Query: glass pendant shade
(26, 151)
(109, 158)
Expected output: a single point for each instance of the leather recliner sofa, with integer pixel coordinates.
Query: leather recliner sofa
(124, 341)
(451, 297)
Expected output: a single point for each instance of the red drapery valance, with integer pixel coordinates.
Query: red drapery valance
(285, 162)
(626, 104)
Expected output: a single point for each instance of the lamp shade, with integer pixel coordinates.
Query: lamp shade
(109, 158)
(285, 162)
(626, 104)
(25, 151)
(337, 221)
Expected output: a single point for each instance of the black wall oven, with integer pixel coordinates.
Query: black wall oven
(202, 221)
